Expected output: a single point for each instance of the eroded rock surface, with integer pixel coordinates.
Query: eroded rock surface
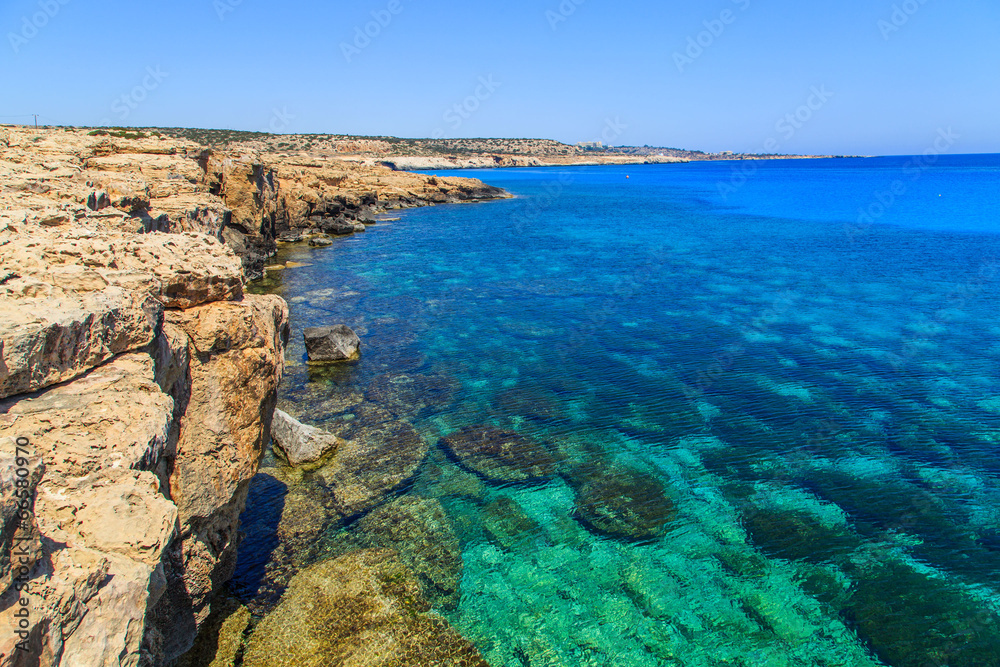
(501, 456)
(139, 374)
(301, 443)
(246, 196)
(622, 502)
(364, 608)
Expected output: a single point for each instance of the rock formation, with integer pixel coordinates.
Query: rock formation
(364, 608)
(299, 442)
(501, 456)
(138, 383)
(136, 369)
(622, 502)
(330, 344)
(247, 198)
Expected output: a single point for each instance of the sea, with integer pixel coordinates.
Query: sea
(749, 410)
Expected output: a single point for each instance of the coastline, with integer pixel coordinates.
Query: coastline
(125, 322)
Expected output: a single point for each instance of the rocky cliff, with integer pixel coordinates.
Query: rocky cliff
(143, 182)
(137, 385)
(137, 380)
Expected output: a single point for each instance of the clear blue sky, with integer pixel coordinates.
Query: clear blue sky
(607, 64)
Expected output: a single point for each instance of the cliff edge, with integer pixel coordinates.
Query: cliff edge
(137, 380)
(137, 386)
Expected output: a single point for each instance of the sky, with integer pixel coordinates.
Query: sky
(851, 77)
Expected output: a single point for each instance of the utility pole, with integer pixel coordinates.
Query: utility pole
(36, 120)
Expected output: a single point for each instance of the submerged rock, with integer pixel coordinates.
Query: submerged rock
(911, 620)
(301, 443)
(420, 530)
(796, 535)
(337, 343)
(375, 462)
(501, 456)
(507, 525)
(406, 396)
(623, 502)
(364, 608)
(531, 403)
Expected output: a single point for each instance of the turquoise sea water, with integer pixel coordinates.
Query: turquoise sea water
(771, 394)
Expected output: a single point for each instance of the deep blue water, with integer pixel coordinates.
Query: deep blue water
(804, 401)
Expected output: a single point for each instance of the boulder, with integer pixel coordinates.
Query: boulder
(322, 241)
(622, 502)
(301, 443)
(364, 608)
(375, 462)
(330, 344)
(501, 456)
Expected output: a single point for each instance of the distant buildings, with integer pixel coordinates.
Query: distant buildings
(591, 145)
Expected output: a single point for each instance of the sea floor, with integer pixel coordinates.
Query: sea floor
(652, 431)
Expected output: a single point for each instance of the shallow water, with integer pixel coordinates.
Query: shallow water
(770, 430)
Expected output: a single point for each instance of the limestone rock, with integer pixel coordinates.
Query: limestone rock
(122, 512)
(105, 521)
(219, 447)
(61, 588)
(337, 343)
(501, 456)
(49, 335)
(622, 502)
(113, 418)
(421, 532)
(301, 443)
(361, 609)
(376, 461)
(180, 270)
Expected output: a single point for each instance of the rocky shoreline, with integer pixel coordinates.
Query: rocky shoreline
(125, 454)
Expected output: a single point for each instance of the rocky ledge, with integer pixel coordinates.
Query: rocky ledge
(137, 387)
(138, 384)
(143, 182)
